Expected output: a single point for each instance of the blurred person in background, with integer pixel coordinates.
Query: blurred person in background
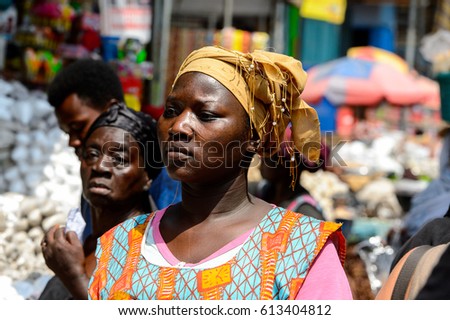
(437, 286)
(427, 221)
(279, 170)
(423, 272)
(119, 160)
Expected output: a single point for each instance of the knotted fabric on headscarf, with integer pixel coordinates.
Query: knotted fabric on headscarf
(142, 128)
(268, 85)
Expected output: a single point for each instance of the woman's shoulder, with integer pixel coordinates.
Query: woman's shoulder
(307, 232)
(307, 205)
(301, 220)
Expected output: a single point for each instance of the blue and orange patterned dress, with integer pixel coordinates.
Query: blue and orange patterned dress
(272, 263)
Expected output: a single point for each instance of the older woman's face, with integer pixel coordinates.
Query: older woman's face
(203, 131)
(112, 168)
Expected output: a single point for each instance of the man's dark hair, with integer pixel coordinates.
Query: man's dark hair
(93, 81)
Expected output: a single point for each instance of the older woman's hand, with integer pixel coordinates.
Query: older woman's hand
(63, 254)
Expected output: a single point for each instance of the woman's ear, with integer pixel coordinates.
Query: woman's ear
(253, 146)
(254, 142)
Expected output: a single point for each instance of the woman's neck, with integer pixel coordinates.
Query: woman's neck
(201, 202)
(210, 217)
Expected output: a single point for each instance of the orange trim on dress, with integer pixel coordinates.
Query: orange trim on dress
(99, 280)
(166, 286)
(124, 283)
(327, 229)
(210, 282)
(294, 288)
(272, 244)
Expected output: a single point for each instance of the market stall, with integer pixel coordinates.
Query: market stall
(39, 173)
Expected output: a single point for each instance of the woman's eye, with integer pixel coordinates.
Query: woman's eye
(207, 116)
(118, 160)
(90, 155)
(169, 112)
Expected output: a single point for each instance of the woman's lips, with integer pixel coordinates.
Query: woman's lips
(178, 153)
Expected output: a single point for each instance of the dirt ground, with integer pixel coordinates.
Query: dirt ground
(357, 276)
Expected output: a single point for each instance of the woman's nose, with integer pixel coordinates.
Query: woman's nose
(103, 164)
(182, 125)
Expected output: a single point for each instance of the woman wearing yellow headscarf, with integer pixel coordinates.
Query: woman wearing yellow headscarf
(220, 242)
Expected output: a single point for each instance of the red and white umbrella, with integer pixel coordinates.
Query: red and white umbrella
(361, 82)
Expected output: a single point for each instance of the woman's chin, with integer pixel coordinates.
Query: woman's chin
(99, 200)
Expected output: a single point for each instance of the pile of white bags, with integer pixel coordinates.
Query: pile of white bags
(34, 156)
(39, 183)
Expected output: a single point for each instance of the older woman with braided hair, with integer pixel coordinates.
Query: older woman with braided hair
(220, 242)
(120, 157)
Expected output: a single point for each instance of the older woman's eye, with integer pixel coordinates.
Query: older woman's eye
(118, 160)
(90, 154)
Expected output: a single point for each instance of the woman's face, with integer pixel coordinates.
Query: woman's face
(112, 168)
(203, 131)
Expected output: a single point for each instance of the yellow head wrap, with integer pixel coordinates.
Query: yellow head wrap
(268, 85)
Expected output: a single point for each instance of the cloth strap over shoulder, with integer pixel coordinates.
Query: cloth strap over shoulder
(407, 271)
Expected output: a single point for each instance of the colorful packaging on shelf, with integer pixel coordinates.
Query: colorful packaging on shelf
(40, 66)
(57, 15)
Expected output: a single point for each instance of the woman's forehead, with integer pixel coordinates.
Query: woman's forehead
(187, 79)
(200, 86)
(111, 134)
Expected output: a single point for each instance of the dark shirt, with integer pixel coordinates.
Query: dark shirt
(433, 233)
(437, 286)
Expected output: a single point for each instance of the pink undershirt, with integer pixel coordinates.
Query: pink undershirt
(320, 284)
